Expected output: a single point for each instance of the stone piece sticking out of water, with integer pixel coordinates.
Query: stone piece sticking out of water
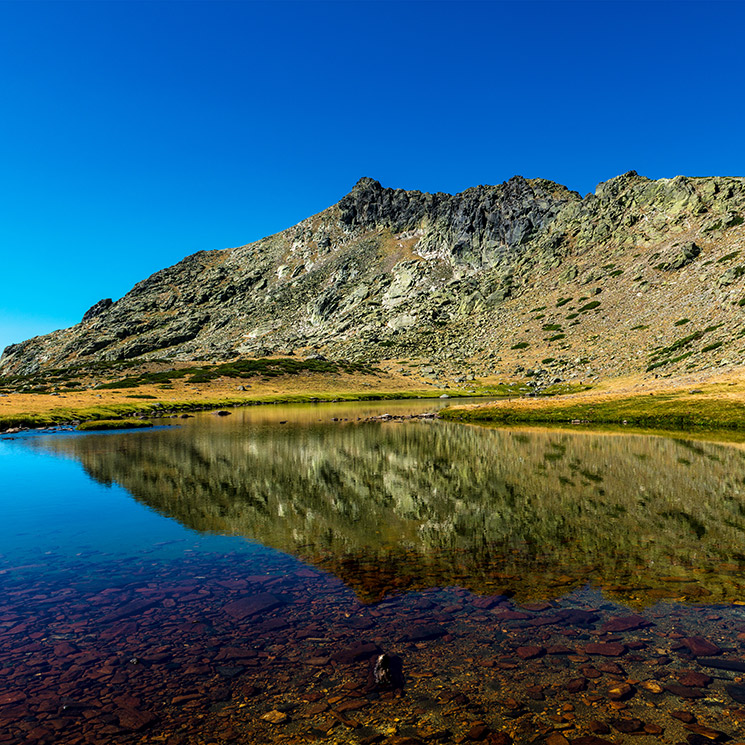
(382, 670)
(252, 605)
(700, 647)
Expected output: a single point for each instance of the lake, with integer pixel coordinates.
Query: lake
(237, 578)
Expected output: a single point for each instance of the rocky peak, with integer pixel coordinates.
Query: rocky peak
(391, 273)
(95, 310)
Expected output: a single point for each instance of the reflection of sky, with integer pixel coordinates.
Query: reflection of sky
(50, 504)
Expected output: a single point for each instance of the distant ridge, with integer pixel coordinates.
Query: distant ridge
(527, 275)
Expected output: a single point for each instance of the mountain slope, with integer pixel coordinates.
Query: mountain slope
(496, 278)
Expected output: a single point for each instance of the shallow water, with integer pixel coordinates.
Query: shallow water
(525, 583)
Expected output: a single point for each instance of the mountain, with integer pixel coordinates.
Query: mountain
(525, 275)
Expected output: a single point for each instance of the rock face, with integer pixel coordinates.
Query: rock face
(388, 273)
(97, 309)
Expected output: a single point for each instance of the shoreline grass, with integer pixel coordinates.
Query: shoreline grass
(658, 411)
(108, 424)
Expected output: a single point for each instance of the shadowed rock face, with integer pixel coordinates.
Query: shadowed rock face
(392, 507)
(388, 273)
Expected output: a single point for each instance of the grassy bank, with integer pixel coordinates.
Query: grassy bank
(670, 410)
(105, 424)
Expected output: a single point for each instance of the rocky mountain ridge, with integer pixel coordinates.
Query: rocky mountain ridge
(523, 277)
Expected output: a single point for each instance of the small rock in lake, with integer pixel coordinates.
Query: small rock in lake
(620, 692)
(223, 413)
(652, 686)
(382, 670)
(700, 647)
(275, 717)
(737, 692)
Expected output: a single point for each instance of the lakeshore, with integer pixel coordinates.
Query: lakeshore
(714, 400)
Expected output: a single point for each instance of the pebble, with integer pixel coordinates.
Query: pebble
(275, 717)
(620, 692)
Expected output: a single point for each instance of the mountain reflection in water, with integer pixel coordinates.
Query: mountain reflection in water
(396, 506)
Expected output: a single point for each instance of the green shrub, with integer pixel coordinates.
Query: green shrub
(589, 306)
(520, 345)
(710, 347)
(728, 257)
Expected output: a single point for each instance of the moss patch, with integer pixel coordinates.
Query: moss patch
(103, 424)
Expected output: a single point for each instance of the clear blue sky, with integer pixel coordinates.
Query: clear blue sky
(135, 133)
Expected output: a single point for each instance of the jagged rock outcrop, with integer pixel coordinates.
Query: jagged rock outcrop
(453, 280)
(95, 310)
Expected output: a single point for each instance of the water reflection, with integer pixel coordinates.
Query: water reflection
(389, 506)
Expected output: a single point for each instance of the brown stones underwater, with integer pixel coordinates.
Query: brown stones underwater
(156, 652)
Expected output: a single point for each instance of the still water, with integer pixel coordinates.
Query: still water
(234, 579)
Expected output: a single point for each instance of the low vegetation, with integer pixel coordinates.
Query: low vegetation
(668, 411)
(103, 424)
(108, 375)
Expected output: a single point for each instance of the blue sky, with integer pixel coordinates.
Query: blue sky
(135, 133)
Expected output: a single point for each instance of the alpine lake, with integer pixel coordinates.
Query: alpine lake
(236, 579)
